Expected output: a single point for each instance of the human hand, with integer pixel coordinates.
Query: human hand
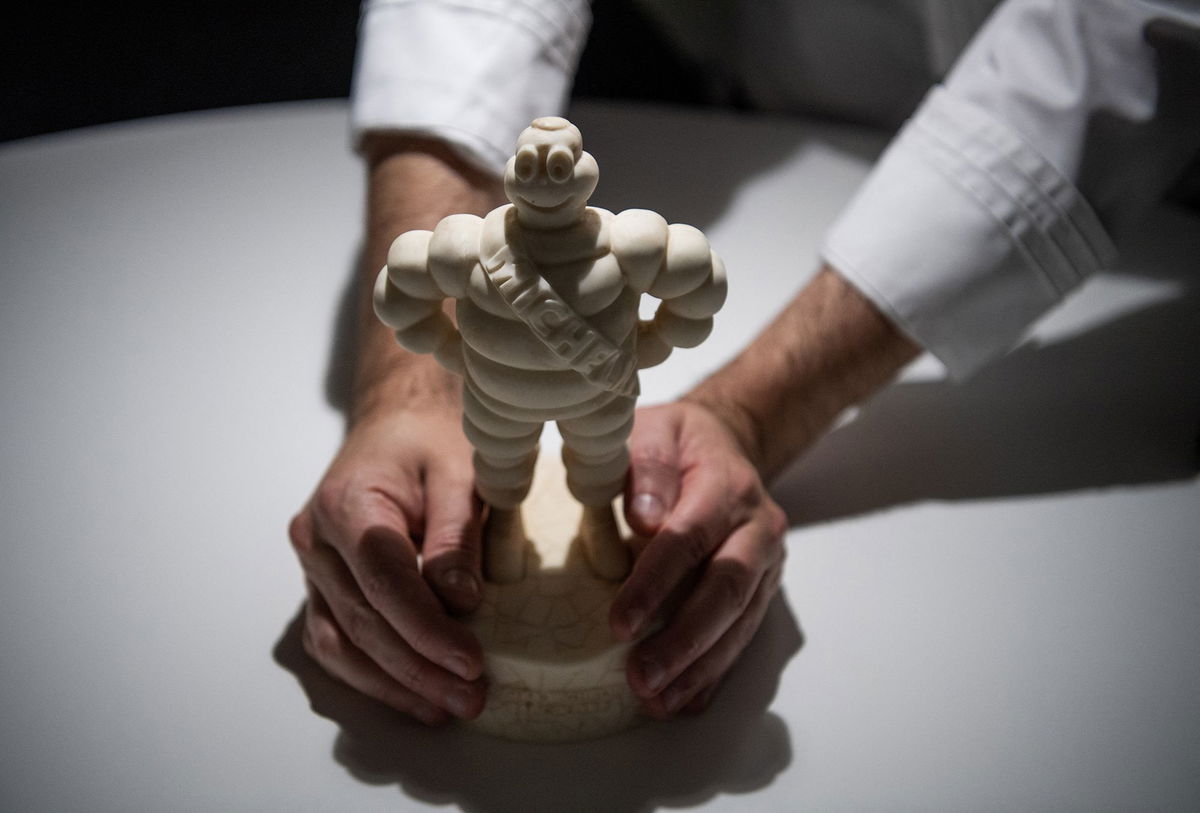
(376, 618)
(715, 549)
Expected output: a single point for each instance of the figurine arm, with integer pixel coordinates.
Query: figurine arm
(691, 286)
(423, 269)
(675, 264)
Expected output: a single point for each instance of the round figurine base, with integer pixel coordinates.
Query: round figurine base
(555, 672)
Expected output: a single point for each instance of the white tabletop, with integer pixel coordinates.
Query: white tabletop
(997, 582)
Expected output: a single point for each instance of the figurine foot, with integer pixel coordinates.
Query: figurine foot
(504, 546)
(600, 537)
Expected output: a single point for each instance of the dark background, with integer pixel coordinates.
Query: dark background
(73, 66)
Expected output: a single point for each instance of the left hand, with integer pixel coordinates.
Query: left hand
(716, 546)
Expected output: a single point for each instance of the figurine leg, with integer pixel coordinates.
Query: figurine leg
(597, 462)
(503, 484)
(505, 454)
(505, 545)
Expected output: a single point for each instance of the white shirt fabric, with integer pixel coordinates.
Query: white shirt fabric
(994, 200)
(472, 72)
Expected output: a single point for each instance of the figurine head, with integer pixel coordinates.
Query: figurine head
(550, 178)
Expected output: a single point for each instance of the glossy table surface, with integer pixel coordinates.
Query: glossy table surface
(991, 600)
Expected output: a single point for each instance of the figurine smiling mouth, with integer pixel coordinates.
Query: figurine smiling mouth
(554, 208)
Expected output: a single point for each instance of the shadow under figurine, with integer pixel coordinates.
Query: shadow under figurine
(547, 292)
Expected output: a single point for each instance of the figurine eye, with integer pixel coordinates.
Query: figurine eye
(560, 163)
(526, 162)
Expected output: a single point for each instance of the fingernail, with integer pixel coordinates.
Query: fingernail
(459, 701)
(633, 621)
(458, 665)
(649, 509)
(652, 675)
(671, 698)
(461, 581)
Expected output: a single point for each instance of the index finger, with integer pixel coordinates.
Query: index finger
(700, 522)
(384, 563)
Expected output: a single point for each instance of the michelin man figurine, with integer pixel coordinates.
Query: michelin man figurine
(547, 292)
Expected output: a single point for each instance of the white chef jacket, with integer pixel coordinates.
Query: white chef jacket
(995, 199)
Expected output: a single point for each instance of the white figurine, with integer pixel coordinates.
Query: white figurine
(547, 291)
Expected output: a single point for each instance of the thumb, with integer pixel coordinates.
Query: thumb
(450, 551)
(654, 476)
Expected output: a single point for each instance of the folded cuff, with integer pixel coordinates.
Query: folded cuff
(963, 234)
(471, 72)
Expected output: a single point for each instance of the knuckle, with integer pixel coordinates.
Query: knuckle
(300, 533)
(423, 640)
(688, 649)
(322, 642)
(745, 485)
(448, 539)
(411, 674)
(650, 463)
(641, 588)
(694, 544)
(743, 490)
(635, 595)
(327, 501)
(777, 523)
(374, 585)
(647, 452)
(732, 589)
(677, 651)
(459, 473)
(455, 471)
(359, 624)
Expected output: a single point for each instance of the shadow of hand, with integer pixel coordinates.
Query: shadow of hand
(735, 746)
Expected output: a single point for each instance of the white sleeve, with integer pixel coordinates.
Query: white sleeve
(992, 202)
(472, 72)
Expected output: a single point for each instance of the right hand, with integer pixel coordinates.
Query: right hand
(715, 552)
(377, 617)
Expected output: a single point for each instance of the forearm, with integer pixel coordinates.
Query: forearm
(411, 184)
(827, 350)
